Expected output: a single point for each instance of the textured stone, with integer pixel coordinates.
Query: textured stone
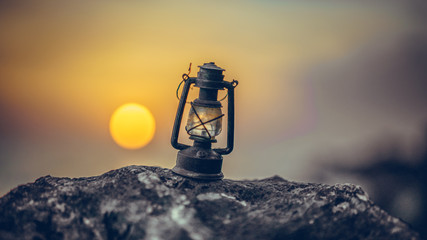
(138, 202)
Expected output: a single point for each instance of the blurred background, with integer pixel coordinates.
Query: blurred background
(330, 91)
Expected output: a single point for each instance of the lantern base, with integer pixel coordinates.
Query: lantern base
(199, 163)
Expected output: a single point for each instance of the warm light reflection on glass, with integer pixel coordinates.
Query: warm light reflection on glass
(206, 114)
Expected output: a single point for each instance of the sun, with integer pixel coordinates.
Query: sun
(132, 126)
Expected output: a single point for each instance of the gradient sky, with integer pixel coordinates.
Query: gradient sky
(316, 79)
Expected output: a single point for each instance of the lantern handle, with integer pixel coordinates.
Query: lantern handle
(185, 76)
(234, 83)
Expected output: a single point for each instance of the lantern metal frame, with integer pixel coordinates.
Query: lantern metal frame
(200, 161)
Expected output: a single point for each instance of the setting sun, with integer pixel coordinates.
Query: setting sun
(132, 126)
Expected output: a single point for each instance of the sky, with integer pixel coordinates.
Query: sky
(317, 79)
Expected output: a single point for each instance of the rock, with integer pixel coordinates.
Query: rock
(139, 202)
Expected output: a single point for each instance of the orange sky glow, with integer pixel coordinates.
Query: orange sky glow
(65, 66)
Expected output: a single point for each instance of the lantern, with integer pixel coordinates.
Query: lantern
(204, 123)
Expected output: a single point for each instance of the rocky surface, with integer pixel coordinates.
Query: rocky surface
(138, 202)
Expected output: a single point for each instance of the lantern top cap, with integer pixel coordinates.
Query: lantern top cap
(211, 66)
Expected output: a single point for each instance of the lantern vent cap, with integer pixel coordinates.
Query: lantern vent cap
(211, 66)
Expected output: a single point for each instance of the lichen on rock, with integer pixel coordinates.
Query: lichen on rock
(138, 202)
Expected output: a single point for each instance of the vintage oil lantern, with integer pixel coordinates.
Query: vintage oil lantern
(204, 123)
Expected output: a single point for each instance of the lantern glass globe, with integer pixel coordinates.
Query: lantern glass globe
(211, 119)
